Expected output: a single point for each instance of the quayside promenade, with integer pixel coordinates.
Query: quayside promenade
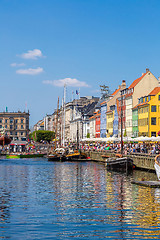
(141, 161)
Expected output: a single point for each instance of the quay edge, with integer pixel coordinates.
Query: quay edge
(144, 162)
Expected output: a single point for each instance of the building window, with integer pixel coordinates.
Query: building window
(11, 120)
(0, 126)
(11, 133)
(159, 97)
(21, 133)
(21, 126)
(153, 108)
(0, 120)
(6, 120)
(21, 120)
(153, 134)
(153, 121)
(16, 127)
(11, 126)
(16, 121)
(16, 133)
(6, 126)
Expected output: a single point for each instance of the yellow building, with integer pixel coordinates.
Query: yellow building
(16, 124)
(154, 110)
(110, 118)
(149, 114)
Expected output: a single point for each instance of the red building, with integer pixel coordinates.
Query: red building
(123, 109)
(98, 122)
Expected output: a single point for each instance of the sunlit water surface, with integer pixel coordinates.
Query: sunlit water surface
(81, 200)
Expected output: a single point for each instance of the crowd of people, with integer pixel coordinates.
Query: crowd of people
(128, 148)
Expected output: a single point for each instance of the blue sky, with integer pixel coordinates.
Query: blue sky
(86, 42)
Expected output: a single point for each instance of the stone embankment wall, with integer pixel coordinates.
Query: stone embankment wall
(143, 161)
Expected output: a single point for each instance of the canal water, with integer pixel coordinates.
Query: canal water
(80, 200)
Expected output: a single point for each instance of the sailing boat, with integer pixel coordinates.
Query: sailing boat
(58, 153)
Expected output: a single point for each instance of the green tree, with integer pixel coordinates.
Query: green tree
(88, 135)
(125, 133)
(42, 135)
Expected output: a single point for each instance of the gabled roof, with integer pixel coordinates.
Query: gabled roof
(92, 117)
(135, 82)
(155, 91)
(141, 104)
(116, 91)
(109, 111)
(103, 103)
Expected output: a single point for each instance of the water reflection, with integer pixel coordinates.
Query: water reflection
(52, 200)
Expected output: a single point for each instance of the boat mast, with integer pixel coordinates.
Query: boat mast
(64, 111)
(56, 124)
(77, 137)
(121, 123)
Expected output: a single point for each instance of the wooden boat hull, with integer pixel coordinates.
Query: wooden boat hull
(120, 163)
(14, 156)
(56, 157)
(74, 156)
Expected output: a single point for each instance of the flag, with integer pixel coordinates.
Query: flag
(77, 92)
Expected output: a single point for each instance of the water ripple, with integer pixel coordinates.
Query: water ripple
(52, 200)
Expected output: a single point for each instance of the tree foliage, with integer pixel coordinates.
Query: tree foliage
(88, 135)
(125, 133)
(42, 135)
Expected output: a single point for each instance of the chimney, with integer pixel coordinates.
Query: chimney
(123, 85)
(142, 74)
(147, 70)
(158, 81)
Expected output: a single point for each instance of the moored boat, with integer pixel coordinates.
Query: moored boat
(57, 155)
(123, 163)
(76, 155)
(29, 155)
(157, 166)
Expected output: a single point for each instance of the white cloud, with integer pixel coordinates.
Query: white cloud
(17, 64)
(32, 54)
(30, 71)
(72, 82)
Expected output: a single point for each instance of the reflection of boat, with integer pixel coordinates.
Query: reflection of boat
(4, 140)
(123, 163)
(157, 166)
(30, 155)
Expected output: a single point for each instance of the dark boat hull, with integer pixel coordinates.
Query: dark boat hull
(56, 158)
(120, 164)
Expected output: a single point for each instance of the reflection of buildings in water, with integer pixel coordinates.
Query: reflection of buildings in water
(4, 207)
(148, 209)
(78, 183)
(143, 203)
(118, 191)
